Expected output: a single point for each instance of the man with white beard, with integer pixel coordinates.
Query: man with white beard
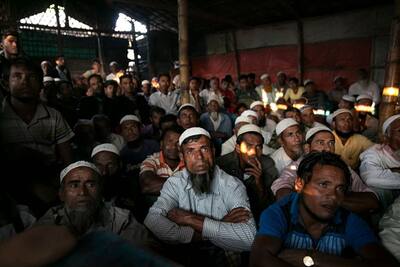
(380, 164)
(84, 211)
(202, 207)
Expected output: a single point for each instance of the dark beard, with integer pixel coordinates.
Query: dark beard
(262, 122)
(344, 135)
(201, 183)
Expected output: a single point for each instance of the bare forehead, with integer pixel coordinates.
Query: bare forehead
(328, 172)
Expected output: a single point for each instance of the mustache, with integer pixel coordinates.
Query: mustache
(201, 183)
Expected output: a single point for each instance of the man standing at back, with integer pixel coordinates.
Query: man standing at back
(164, 98)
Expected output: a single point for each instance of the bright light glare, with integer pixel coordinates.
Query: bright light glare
(123, 24)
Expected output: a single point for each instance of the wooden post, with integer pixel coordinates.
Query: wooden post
(300, 44)
(237, 59)
(60, 48)
(183, 50)
(388, 106)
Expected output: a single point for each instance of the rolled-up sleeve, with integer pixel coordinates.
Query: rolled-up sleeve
(232, 236)
(286, 179)
(157, 221)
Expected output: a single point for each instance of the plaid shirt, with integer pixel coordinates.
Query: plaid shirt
(47, 129)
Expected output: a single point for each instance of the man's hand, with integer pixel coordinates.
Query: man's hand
(179, 216)
(256, 171)
(238, 215)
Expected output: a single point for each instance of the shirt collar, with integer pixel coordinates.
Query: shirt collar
(40, 113)
(294, 211)
(180, 166)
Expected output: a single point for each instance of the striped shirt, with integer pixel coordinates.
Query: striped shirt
(345, 230)
(227, 193)
(156, 163)
(47, 129)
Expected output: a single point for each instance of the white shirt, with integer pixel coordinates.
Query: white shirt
(229, 146)
(390, 229)
(270, 125)
(168, 102)
(376, 163)
(216, 123)
(208, 93)
(369, 88)
(117, 140)
(227, 193)
(281, 159)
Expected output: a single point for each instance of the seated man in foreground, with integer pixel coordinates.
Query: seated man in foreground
(202, 205)
(310, 228)
(83, 210)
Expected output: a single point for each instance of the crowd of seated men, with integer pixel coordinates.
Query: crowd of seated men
(109, 170)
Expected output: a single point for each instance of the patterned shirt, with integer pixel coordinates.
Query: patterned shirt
(227, 193)
(156, 163)
(346, 230)
(47, 129)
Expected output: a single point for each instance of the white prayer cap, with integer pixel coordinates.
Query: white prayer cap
(145, 82)
(249, 128)
(305, 107)
(264, 76)
(280, 72)
(315, 130)
(186, 105)
(112, 63)
(330, 118)
(105, 147)
(349, 98)
(256, 103)
(75, 165)
(308, 81)
(212, 98)
(129, 118)
(249, 112)
(389, 121)
(192, 132)
(337, 78)
(48, 79)
(44, 62)
(284, 124)
(364, 96)
(243, 119)
(57, 80)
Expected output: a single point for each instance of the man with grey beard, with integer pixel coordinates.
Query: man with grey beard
(202, 207)
(84, 211)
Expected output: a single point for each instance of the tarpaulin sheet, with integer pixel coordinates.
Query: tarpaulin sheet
(322, 61)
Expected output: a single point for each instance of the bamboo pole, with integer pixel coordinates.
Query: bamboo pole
(60, 48)
(183, 50)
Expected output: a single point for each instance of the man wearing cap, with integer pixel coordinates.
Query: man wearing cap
(264, 123)
(290, 137)
(281, 83)
(359, 199)
(146, 90)
(213, 92)
(218, 124)
(310, 228)
(164, 98)
(188, 116)
(158, 167)
(137, 148)
(46, 68)
(115, 72)
(365, 86)
(83, 209)
(104, 134)
(347, 102)
(380, 164)
(255, 170)
(265, 90)
(308, 118)
(106, 158)
(202, 202)
(367, 124)
(348, 144)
